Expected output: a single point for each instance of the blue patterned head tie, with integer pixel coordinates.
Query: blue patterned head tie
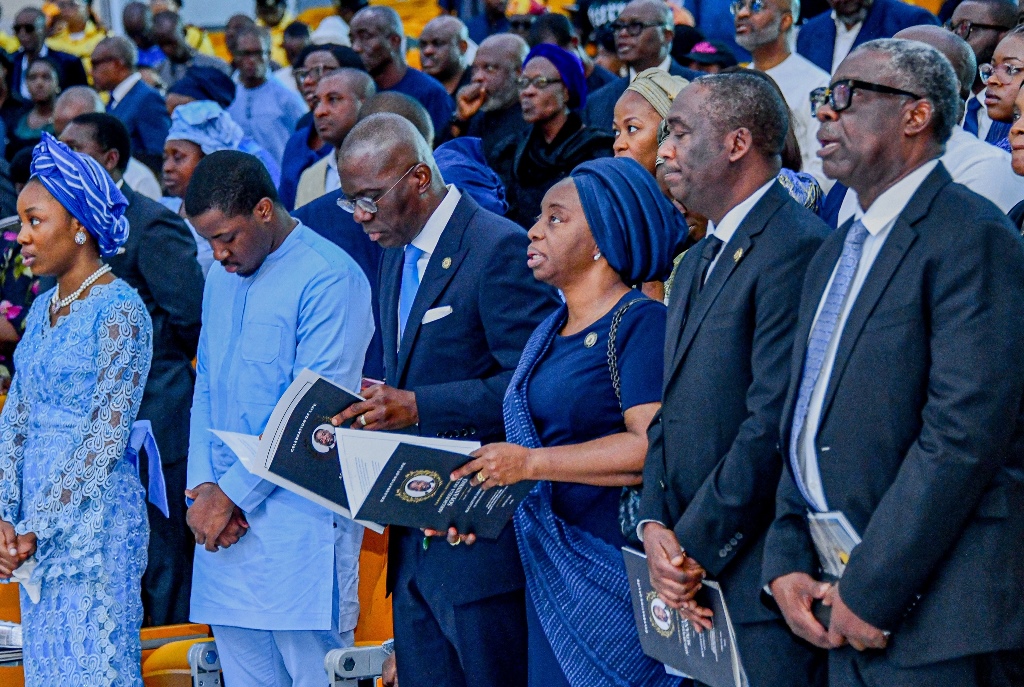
(206, 124)
(85, 190)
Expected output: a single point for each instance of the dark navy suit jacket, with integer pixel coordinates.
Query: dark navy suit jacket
(337, 226)
(817, 38)
(143, 111)
(599, 110)
(921, 437)
(459, 366)
(711, 476)
(70, 71)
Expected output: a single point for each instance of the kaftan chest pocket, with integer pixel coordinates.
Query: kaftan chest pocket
(261, 343)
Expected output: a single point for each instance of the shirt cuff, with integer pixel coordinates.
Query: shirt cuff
(640, 528)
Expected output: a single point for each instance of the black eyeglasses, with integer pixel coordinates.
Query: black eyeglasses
(738, 6)
(24, 28)
(839, 96)
(538, 82)
(964, 28)
(369, 205)
(634, 28)
(521, 24)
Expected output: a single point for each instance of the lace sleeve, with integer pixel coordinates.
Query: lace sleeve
(13, 423)
(123, 354)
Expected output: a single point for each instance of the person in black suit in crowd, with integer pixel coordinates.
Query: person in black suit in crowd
(458, 304)
(713, 463)
(643, 39)
(30, 28)
(158, 261)
(905, 397)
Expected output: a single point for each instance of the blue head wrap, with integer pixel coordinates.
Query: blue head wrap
(206, 124)
(636, 228)
(85, 190)
(461, 162)
(206, 83)
(569, 67)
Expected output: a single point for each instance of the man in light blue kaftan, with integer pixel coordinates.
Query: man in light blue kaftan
(63, 436)
(286, 593)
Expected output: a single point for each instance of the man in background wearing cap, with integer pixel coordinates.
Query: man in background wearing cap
(169, 34)
(709, 57)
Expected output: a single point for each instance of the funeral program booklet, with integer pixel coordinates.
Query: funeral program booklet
(710, 657)
(298, 449)
(399, 479)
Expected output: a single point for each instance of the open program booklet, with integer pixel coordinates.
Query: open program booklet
(710, 657)
(375, 478)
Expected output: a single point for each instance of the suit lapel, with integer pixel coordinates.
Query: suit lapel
(677, 306)
(444, 263)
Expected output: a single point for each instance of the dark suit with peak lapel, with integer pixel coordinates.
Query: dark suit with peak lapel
(70, 71)
(599, 110)
(713, 462)
(817, 38)
(159, 261)
(920, 440)
(460, 618)
(143, 111)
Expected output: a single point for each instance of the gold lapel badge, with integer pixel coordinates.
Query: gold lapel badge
(737, 255)
(446, 263)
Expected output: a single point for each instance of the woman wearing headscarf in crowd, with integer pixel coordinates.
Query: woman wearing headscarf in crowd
(43, 87)
(305, 147)
(73, 527)
(552, 89)
(197, 129)
(1003, 78)
(576, 416)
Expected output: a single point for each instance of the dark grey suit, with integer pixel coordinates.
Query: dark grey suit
(920, 438)
(159, 261)
(600, 108)
(460, 617)
(713, 462)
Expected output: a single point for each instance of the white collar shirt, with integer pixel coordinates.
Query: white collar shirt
(332, 182)
(430, 234)
(879, 220)
(845, 38)
(664, 66)
(121, 89)
(43, 52)
(732, 220)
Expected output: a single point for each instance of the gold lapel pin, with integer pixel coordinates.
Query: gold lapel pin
(446, 263)
(737, 255)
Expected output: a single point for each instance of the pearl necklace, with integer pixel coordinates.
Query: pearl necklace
(56, 303)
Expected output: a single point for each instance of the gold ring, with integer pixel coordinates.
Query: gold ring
(362, 419)
(481, 477)
(458, 540)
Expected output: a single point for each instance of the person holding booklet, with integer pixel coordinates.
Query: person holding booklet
(457, 305)
(275, 574)
(576, 417)
(714, 462)
(904, 410)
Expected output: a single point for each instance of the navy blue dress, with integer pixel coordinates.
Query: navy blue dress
(572, 401)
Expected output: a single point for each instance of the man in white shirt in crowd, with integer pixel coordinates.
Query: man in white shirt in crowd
(765, 27)
(339, 97)
(983, 23)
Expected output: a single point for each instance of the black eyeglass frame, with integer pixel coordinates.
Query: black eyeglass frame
(827, 94)
(956, 28)
(634, 28)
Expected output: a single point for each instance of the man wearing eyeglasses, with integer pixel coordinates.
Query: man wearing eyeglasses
(890, 421)
(643, 38)
(829, 37)
(30, 28)
(457, 305)
(983, 23)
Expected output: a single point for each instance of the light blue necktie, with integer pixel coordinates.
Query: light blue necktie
(971, 120)
(410, 285)
(821, 335)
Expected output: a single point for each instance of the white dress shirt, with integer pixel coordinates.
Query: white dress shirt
(732, 220)
(879, 220)
(984, 121)
(26, 96)
(142, 180)
(980, 166)
(332, 182)
(430, 234)
(797, 77)
(121, 89)
(845, 38)
(664, 66)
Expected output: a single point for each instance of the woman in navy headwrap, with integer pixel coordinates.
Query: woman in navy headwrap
(73, 528)
(576, 416)
(552, 89)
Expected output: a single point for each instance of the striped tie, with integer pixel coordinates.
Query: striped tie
(821, 335)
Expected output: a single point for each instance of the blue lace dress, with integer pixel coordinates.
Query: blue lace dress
(63, 434)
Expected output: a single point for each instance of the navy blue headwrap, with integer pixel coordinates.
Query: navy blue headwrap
(85, 190)
(569, 67)
(461, 162)
(206, 83)
(635, 227)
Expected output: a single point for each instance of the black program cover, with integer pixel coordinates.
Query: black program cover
(413, 490)
(307, 453)
(667, 637)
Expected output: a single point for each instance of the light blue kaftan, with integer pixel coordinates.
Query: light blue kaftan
(63, 435)
(308, 306)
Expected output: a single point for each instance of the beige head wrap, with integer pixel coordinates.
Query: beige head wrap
(659, 88)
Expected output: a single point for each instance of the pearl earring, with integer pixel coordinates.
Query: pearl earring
(597, 256)
(80, 237)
